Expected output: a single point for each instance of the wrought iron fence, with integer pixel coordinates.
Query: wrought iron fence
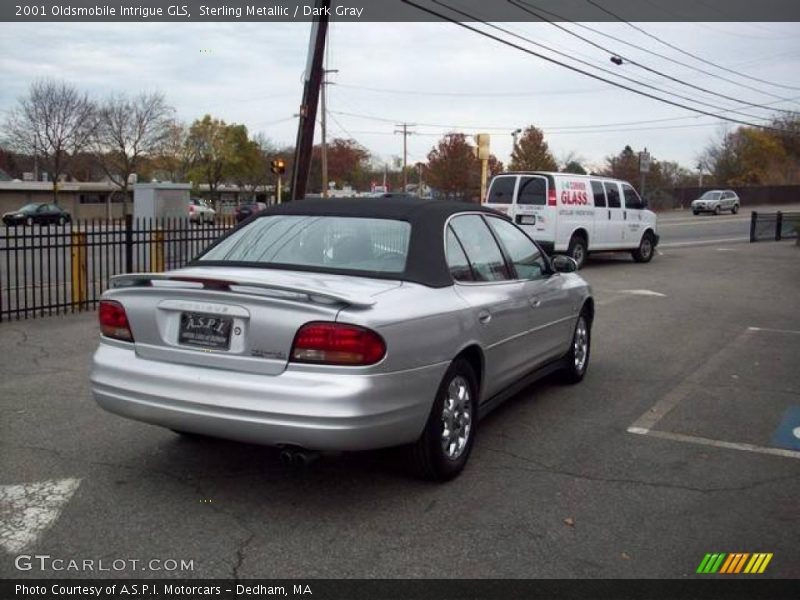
(51, 269)
(774, 226)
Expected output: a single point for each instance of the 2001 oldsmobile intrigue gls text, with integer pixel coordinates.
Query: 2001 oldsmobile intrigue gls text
(345, 324)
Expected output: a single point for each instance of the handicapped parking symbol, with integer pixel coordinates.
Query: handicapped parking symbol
(788, 433)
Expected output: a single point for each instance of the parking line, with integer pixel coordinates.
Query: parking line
(672, 398)
(693, 439)
(644, 424)
(769, 330)
(703, 242)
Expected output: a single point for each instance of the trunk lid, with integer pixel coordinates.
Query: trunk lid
(239, 319)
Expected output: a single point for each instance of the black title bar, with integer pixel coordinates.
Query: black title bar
(399, 11)
(705, 588)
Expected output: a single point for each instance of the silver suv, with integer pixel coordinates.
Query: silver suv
(715, 201)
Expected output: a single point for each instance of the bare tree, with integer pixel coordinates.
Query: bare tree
(174, 158)
(53, 122)
(130, 129)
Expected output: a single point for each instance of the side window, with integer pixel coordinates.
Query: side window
(525, 256)
(612, 193)
(532, 190)
(632, 199)
(456, 259)
(484, 254)
(502, 190)
(599, 194)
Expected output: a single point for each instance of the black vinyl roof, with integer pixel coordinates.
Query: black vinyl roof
(426, 262)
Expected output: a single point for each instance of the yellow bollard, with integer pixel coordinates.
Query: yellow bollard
(80, 289)
(157, 251)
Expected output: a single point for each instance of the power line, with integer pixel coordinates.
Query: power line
(583, 62)
(578, 70)
(686, 52)
(467, 94)
(643, 66)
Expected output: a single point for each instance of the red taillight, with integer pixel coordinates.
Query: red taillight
(114, 321)
(337, 344)
(191, 209)
(551, 197)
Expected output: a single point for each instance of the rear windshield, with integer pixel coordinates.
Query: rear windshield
(324, 243)
(502, 190)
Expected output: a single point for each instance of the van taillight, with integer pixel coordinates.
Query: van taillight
(113, 321)
(551, 197)
(337, 344)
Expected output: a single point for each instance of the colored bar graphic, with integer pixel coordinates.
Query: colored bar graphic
(717, 564)
(734, 563)
(726, 565)
(765, 563)
(741, 562)
(703, 563)
(754, 563)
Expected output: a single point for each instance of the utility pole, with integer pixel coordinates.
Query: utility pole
(405, 133)
(308, 108)
(699, 174)
(644, 169)
(324, 127)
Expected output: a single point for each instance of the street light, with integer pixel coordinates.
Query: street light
(514, 135)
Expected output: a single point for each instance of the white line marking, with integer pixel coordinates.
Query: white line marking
(774, 330)
(672, 398)
(703, 222)
(692, 439)
(27, 510)
(704, 242)
(643, 293)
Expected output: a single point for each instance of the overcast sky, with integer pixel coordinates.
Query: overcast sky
(439, 76)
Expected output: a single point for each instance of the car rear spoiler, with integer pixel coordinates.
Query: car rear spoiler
(239, 286)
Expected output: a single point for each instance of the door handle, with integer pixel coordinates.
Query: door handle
(609, 214)
(535, 301)
(484, 316)
(625, 215)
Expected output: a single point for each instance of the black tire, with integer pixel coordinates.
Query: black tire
(427, 455)
(574, 370)
(717, 210)
(577, 249)
(644, 253)
(696, 212)
(735, 209)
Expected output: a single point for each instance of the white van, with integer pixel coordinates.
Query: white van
(576, 214)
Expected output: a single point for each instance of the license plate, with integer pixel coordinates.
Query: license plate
(205, 331)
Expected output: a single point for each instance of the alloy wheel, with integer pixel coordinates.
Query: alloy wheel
(456, 418)
(580, 344)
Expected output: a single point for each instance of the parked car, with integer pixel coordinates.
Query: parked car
(244, 211)
(345, 324)
(715, 201)
(200, 212)
(37, 214)
(577, 214)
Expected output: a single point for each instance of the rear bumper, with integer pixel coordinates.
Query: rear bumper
(314, 410)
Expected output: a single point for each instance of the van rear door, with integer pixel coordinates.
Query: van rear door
(531, 210)
(501, 194)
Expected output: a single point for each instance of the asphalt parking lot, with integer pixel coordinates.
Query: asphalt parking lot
(678, 443)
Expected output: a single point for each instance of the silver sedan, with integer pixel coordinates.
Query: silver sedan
(345, 324)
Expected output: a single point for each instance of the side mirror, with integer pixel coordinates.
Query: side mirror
(563, 264)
